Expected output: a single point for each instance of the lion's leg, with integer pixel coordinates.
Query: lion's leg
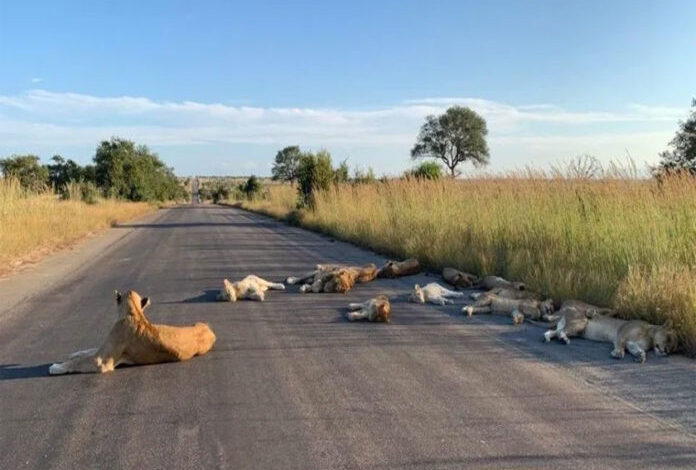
(483, 305)
(303, 278)
(476, 295)
(451, 293)
(636, 351)
(356, 305)
(256, 294)
(357, 315)
(84, 352)
(276, 286)
(549, 335)
(91, 363)
(619, 349)
(304, 288)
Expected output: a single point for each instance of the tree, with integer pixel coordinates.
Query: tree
(457, 136)
(682, 157)
(314, 173)
(27, 170)
(342, 173)
(286, 163)
(62, 172)
(125, 170)
(426, 170)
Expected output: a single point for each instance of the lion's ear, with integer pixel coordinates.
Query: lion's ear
(118, 297)
(144, 302)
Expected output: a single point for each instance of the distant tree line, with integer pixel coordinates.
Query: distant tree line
(121, 170)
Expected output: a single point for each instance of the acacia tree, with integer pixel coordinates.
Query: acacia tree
(286, 163)
(682, 157)
(457, 136)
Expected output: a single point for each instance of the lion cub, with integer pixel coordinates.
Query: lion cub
(433, 293)
(134, 340)
(251, 287)
(377, 310)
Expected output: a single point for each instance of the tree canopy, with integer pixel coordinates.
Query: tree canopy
(286, 163)
(458, 135)
(682, 156)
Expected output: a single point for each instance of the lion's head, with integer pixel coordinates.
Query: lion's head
(417, 295)
(130, 303)
(546, 307)
(665, 339)
(383, 309)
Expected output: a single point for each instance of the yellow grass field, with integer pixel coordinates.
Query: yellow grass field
(32, 225)
(624, 243)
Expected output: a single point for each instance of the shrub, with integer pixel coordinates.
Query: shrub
(426, 170)
(252, 187)
(314, 173)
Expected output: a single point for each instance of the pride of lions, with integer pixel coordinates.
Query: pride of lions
(134, 340)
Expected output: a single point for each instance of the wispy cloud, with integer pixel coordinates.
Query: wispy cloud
(82, 120)
(37, 80)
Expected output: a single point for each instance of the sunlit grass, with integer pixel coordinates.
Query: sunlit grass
(32, 225)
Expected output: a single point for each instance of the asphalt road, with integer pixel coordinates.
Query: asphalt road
(290, 384)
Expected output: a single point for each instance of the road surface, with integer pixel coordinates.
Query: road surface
(291, 385)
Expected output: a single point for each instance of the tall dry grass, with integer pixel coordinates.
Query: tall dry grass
(620, 242)
(32, 225)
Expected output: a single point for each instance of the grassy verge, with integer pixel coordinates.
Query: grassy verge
(625, 243)
(33, 225)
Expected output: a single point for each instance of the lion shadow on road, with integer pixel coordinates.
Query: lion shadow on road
(15, 371)
(208, 295)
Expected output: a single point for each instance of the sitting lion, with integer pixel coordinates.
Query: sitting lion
(635, 335)
(377, 310)
(433, 293)
(251, 287)
(334, 278)
(529, 308)
(134, 340)
(492, 282)
(458, 278)
(394, 269)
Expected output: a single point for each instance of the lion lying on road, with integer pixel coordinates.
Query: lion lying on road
(394, 269)
(134, 340)
(334, 278)
(433, 293)
(377, 310)
(491, 303)
(251, 287)
(458, 278)
(635, 335)
(492, 282)
(508, 293)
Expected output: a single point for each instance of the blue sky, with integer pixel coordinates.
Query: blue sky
(218, 87)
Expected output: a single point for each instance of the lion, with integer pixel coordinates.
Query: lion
(529, 308)
(334, 278)
(394, 269)
(637, 336)
(588, 309)
(376, 310)
(458, 278)
(492, 282)
(251, 287)
(134, 340)
(508, 293)
(433, 293)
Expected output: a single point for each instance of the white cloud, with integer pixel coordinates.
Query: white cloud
(37, 80)
(532, 133)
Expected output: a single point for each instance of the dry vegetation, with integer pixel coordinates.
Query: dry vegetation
(621, 242)
(32, 225)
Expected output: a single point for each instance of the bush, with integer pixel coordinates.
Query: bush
(364, 177)
(27, 170)
(426, 170)
(314, 173)
(252, 187)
